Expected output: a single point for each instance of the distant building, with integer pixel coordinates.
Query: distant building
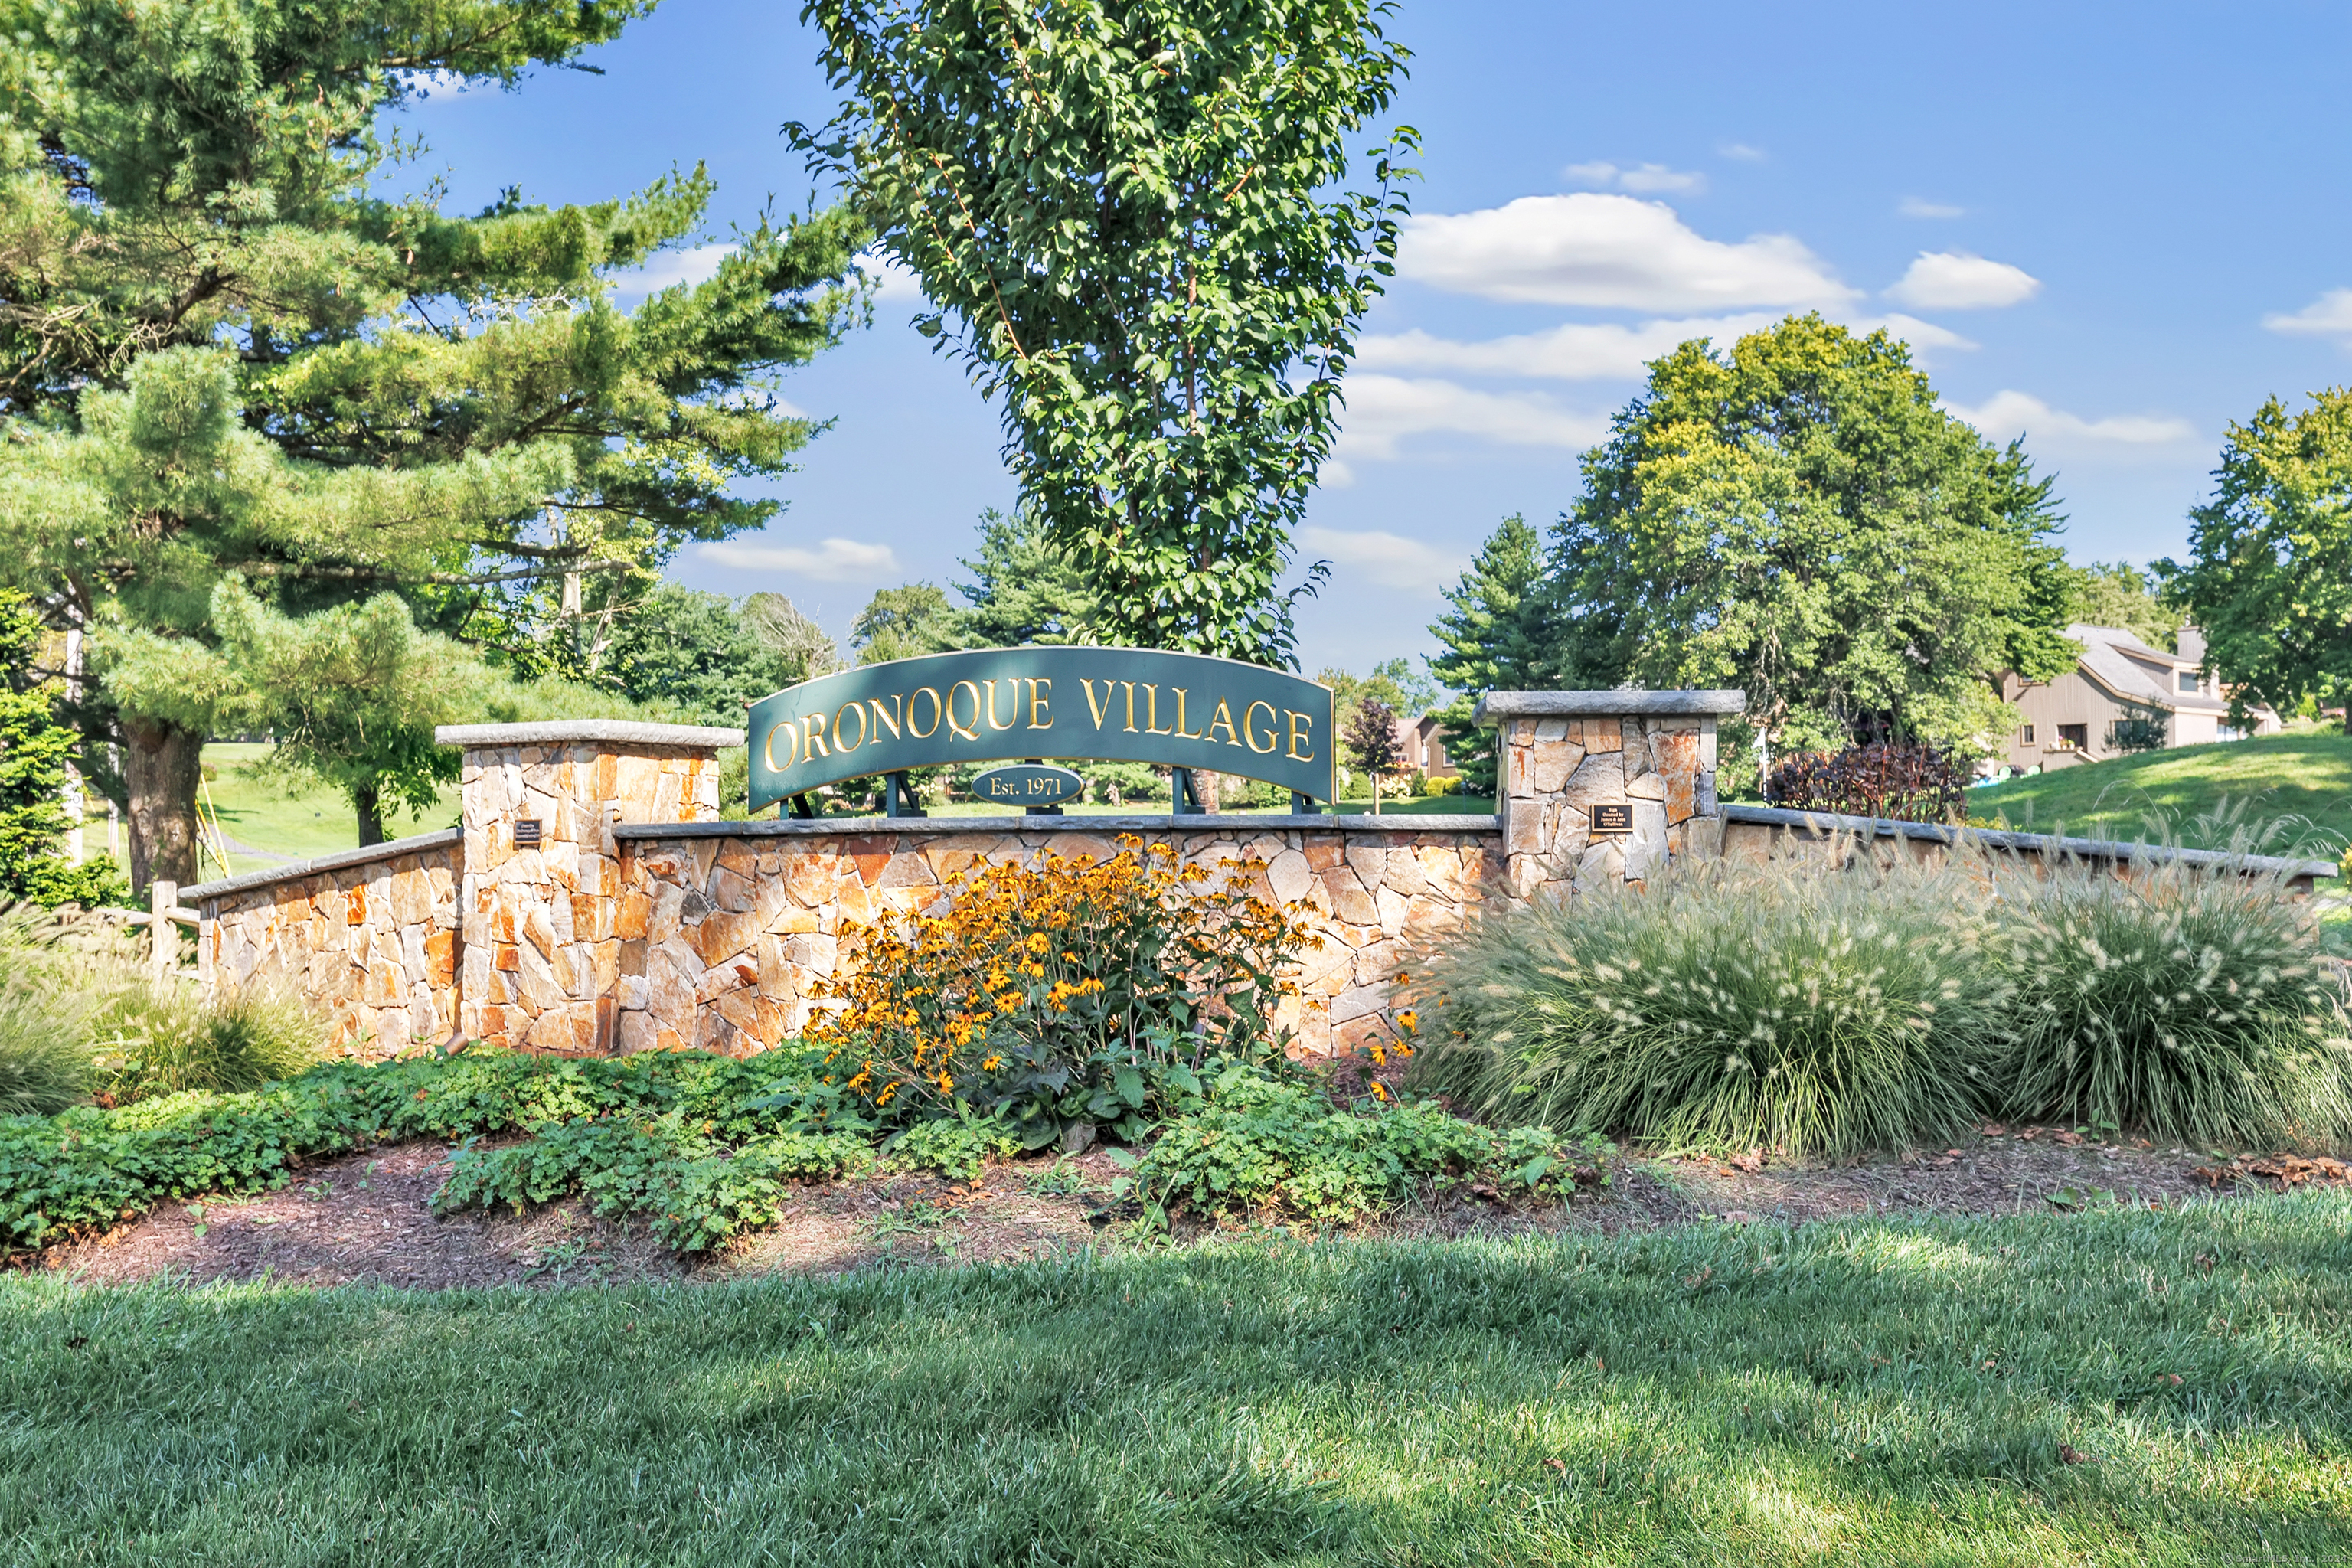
(2120, 691)
(1423, 752)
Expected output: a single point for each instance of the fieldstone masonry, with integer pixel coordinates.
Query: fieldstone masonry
(545, 923)
(745, 917)
(370, 935)
(1566, 752)
(592, 902)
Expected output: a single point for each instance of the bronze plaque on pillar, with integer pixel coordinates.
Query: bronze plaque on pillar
(1615, 816)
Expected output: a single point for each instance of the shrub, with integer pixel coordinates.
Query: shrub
(1068, 991)
(1807, 1004)
(1263, 1143)
(2192, 1002)
(1911, 783)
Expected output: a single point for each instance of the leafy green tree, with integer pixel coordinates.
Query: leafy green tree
(2117, 593)
(34, 746)
(709, 659)
(349, 395)
(1024, 590)
(1128, 216)
(1800, 519)
(1493, 637)
(905, 622)
(2269, 575)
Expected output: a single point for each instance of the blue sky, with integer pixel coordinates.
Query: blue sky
(2113, 230)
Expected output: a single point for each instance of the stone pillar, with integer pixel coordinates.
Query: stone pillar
(1563, 754)
(546, 925)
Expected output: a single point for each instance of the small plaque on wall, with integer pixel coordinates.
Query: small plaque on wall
(1612, 817)
(527, 832)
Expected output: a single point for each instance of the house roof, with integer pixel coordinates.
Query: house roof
(2120, 662)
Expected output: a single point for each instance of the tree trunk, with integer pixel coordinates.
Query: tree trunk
(371, 812)
(161, 766)
(1204, 787)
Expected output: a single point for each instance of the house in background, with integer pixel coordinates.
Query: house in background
(1424, 752)
(2120, 696)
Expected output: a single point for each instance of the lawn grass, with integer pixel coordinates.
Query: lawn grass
(1868, 1393)
(292, 816)
(2304, 774)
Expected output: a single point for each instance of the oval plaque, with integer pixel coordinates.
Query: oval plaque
(1028, 784)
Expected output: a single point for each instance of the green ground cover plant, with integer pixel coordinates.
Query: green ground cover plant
(2160, 1390)
(1261, 1142)
(705, 1148)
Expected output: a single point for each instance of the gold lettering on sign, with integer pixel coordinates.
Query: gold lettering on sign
(1302, 727)
(1249, 723)
(813, 744)
(838, 743)
(1015, 684)
(896, 704)
(1100, 710)
(1224, 718)
(791, 743)
(1130, 705)
(1181, 733)
(1039, 718)
(936, 710)
(1151, 712)
(969, 732)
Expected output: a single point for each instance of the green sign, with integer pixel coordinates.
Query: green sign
(1113, 704)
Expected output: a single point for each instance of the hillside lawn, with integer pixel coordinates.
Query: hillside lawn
(2304, 775)
(2124, 1388)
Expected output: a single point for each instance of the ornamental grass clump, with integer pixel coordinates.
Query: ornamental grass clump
(1824, 1005)
(1068, 991)
(2188, 1002)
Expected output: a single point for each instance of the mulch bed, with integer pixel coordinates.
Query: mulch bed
(366, 1219)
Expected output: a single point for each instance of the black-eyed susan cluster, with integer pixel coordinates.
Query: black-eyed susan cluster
(1058, 972)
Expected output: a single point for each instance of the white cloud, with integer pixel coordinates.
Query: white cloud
(1646, 177)
(1577, 351)
(1912, 206)
(1956, 280)
(668, 269)
(2008, 414)
(1389, 560)
(833, 561)
(2330, 316)
(1383, 409)
(1741, 151)
(892, 280)
(1610, 251)
(1603, 351)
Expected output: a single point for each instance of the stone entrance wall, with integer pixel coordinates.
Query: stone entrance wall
(592, 902)
(369, 935)
(739, 920)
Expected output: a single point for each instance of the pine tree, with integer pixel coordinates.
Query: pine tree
(1024, 589)
(223, 357)
(1493, 637)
